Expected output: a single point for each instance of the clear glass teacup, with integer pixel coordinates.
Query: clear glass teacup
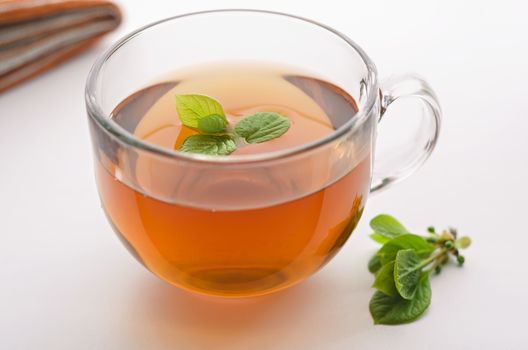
(244, 225)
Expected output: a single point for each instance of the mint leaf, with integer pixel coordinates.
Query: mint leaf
(384, 281)
(262, 126)
(386, 225)
(192, 108)
(374, 264)
(213, 123)
(220, 145)
(381, 239)
(407, 271)
(463, 242)
(392, 310)
(388, 252)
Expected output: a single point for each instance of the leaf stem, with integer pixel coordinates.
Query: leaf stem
(436, 263)
(433, 257)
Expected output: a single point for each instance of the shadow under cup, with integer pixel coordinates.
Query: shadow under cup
(238, 225)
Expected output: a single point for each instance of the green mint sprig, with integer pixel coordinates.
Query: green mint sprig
(216, 137)
(403, 265)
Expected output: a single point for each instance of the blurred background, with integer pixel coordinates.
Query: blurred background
(66, 281)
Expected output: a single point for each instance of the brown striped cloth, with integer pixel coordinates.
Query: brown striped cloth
(36, 35)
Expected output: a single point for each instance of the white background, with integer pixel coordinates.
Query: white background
(67, 283)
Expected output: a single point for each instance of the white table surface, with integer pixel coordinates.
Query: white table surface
(67, 283)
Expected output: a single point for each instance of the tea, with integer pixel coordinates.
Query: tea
(250, 234)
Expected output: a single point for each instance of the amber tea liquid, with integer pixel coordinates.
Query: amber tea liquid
(251, 234)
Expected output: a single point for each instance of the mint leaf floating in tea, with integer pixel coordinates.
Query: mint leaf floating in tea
(213, 123)
(218, 145)
(192, 108)
(207, 116)
(403, 265)
(262, 126)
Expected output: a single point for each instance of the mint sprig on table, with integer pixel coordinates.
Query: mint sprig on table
(403, 265)
(207, 116)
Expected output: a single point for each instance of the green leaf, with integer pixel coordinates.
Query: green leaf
(388, 226)
(209, 144)
(212, 123)
(407, 272)
(192, 108)
(374, 264)
(262, 126)
(388, 252)
(463, 242)
(381, 239)
(384, 281)
(392, 310)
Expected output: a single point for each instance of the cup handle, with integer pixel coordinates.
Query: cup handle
(408, 86)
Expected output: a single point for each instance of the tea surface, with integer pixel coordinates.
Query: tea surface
(253, 249)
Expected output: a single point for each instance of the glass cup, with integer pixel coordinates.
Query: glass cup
(245, 224)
